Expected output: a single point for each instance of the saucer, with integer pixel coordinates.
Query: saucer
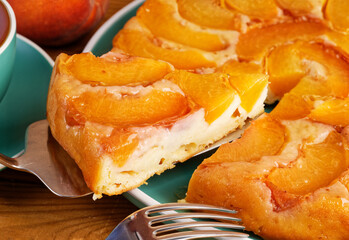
(25, 99)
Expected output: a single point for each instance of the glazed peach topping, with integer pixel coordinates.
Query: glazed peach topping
(299, 47)
(289, 170)
(124, 91)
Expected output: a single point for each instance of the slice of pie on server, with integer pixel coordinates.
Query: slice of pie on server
(124, 118)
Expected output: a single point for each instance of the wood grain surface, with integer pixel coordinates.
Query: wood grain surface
(28, 210)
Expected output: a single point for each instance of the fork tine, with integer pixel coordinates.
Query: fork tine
(182, 225)
(185, 206)
(179, 225)
(175, 216)
(201, 234)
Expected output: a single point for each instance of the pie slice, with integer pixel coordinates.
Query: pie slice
(124, 126)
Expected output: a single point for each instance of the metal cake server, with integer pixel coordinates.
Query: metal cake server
(47, 160)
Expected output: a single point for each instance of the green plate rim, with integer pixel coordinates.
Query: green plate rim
(27, 45)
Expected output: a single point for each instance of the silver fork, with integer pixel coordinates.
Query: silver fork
(162, 222)
(47, 160)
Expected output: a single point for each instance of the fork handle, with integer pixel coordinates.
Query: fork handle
(9, 162)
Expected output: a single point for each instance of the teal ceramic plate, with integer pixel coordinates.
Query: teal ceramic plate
(25, 99)
(171, 185)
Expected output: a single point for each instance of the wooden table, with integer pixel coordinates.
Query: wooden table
(28, 210)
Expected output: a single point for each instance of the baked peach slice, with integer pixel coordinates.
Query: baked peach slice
(287, 64)
(136, 40)
(210, 13)
(316, 166)
(285, 68)
(138, 109)
(117, 69)
(310, 86)
(264, 9)
(161, 17)
(265, 137)
(255, 43)
(336, 12)
(247, 79)
(332, 111)
(249, 87)
(312, 99)
(311, 8)
(292, 107)
(234, 67)
(340, 41)
(213, 91)
(121, 144)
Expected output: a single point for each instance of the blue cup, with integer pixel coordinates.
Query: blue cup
(7, 47)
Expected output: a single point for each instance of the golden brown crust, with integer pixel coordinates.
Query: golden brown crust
(317, 216)
(300, 192)
(75, 141)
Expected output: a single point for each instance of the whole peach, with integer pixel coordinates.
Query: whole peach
(57, 22)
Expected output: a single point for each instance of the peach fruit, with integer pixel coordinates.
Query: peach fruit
(138, 109)
(337, 13)
(237, 68)
(101, 71)
(210, 13)
(341, 41)
(57, 22)
(292, 107)
(264, 137)
(135, 39)
(332, 111)
(160, 17)
(120, 144)
(284, 72)
(287, 64)
(249, 87)
(254, 44)
(247, 79)
(264, 9)
(213, 91)
(300, 8)
(311, 86)
(317, 166)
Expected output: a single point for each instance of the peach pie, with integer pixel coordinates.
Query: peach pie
(183, 74)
